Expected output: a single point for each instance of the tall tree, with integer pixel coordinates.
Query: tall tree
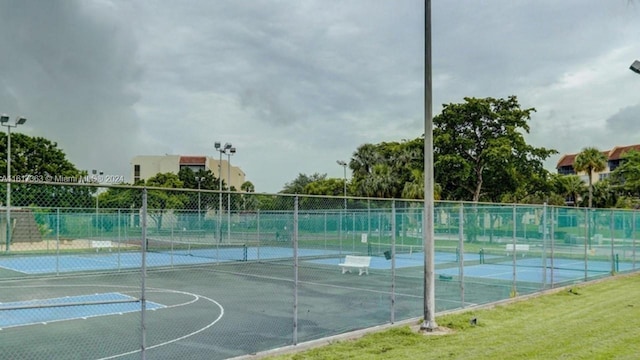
(297, 185)
(400, 158)
(571, 187)
(38, 159)
(480, 151)
(626, 177)
(161, 201)
(590, 160)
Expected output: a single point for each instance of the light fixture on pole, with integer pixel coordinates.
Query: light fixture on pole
(222, 150)
(635, 67)
(232, 151)
(4, 121)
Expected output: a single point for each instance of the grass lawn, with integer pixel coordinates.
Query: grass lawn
(591, 321)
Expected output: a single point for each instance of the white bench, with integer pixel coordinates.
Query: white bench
(356, 262)
(100, 244)
(519, 248)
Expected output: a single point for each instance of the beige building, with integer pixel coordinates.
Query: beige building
(613, 156)
(146, 166)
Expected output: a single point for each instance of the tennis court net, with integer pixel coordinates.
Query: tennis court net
(401, 250)
(209, 250)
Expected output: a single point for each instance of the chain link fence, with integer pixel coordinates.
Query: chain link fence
(119, 272)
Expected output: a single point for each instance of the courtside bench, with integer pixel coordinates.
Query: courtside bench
(101, 244)
(361, 263)
(519, 248)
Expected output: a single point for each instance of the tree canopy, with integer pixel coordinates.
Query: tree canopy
(480, 152)
(39, 159)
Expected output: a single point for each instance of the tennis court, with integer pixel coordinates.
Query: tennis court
(212, 311)
(213, 284)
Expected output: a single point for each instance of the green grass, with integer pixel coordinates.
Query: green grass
(592, 321)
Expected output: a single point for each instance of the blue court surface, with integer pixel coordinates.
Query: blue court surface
(533, 270)
(105, 260)
(42, 311)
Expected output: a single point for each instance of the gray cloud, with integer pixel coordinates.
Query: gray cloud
(71, 69)
(296, 85)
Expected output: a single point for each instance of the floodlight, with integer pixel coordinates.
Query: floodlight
(635, 67)
(341, 162)
(227, 146)
(232, 150)
(217, 145)
(4, 118)
(20, 120)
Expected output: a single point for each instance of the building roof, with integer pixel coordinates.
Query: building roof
(193, 160)
(566, 160)
(618, 151)
(613, 154)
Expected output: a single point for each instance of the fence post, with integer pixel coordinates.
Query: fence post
(58, 241)
(258, 232)
(295, 270)
(613, 227)
(119, 237)
(143, 272)
(586, 237)
(552, 233)
(514, 289)
(393, 261)
(461, 250)
(633, 232)
(544, 245)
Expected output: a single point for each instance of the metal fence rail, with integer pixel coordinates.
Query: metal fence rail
(164, 273)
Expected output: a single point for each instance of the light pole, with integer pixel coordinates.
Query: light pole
(344, 167)
(199, 180)
(635, 67)
(96, 175)
(221, 150)
(232, 151)
(4, 121)
(429, 303)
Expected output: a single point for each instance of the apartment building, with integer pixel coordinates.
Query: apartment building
(146, 166)
(613, 156)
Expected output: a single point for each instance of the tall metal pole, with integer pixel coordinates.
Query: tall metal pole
(220, 192)
(8, 245)
(199, 179)
(429, 322)
(222, 150)
(4, 121)
(232, 150)
(344, 167)
(220, 198)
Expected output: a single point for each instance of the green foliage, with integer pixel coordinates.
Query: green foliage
(297, 186)
(626, 177)
(589, 160)
(480, 152)
(38, 159)
(385, 170)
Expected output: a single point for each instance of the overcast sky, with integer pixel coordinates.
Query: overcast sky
(296, 85)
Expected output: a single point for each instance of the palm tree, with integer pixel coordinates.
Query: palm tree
(590, 160)
(415, 188)
(572, 187)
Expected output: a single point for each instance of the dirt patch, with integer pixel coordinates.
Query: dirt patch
(440, 330)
